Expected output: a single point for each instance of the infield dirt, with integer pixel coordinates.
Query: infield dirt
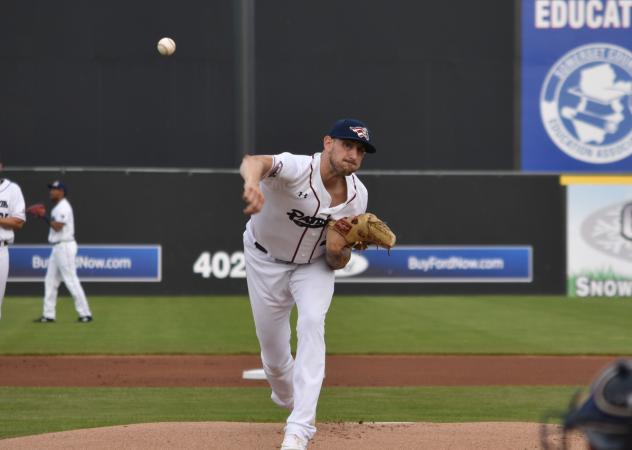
(226, 371)
(347, 436)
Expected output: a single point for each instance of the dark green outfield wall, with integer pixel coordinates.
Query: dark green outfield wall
(81, 83)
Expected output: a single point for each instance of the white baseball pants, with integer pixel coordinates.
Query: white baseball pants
(4, 272)
(274, 288)
(63, 267)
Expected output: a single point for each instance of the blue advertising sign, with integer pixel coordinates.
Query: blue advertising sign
(104, 263)
(439, 264)
(576, 86)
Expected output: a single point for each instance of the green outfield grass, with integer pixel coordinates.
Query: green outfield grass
(355, 325)
(27, 411)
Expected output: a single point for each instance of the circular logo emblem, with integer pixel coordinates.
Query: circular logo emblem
(586, 103)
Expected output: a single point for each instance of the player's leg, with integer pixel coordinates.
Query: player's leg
(312, 286)
(51, 286)
(271, 306)
(4, 273)
(68, 269)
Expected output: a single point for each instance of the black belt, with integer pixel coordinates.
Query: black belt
(4, 243)
(263, 249)
(61, 242)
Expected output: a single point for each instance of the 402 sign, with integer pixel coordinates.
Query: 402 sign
(220, 265)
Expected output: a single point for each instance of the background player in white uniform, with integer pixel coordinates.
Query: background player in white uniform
(62, 265)
(12, 217)
(290, 259)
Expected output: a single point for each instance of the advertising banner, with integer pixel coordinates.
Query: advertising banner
(437, 264)
(104, 263)
(599, 239)
(576, 85)
(447, 244)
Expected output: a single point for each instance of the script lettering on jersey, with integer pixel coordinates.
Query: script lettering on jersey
(300, 219)
(4, 204)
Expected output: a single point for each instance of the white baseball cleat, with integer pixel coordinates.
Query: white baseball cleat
(294, 442)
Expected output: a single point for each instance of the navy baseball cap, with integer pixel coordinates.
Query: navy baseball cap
(353, 130)
(57, 185)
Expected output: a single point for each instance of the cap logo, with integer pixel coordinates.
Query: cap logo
(362, 132)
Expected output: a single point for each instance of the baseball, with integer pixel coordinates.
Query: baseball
(166, 46)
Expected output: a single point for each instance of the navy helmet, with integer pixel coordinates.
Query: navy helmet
(605, 415)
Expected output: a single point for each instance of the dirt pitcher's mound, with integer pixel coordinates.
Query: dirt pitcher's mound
(347, 436)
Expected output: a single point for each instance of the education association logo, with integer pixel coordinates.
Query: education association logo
(586, 103)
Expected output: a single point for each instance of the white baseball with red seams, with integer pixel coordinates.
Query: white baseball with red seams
(285, 265)
(11, 205)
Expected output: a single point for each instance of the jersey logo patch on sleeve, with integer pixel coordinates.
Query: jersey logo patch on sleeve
(276, 169)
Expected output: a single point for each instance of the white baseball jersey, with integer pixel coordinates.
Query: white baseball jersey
(292, 224)
(11, 205)
(62, 212)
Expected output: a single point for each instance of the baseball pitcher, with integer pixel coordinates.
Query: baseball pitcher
(307, 212)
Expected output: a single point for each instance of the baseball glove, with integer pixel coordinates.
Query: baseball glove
(37, 210)
(364, 230)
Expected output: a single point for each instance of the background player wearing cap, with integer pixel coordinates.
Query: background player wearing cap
(291, 258)
(12, 217)
(62, 265)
